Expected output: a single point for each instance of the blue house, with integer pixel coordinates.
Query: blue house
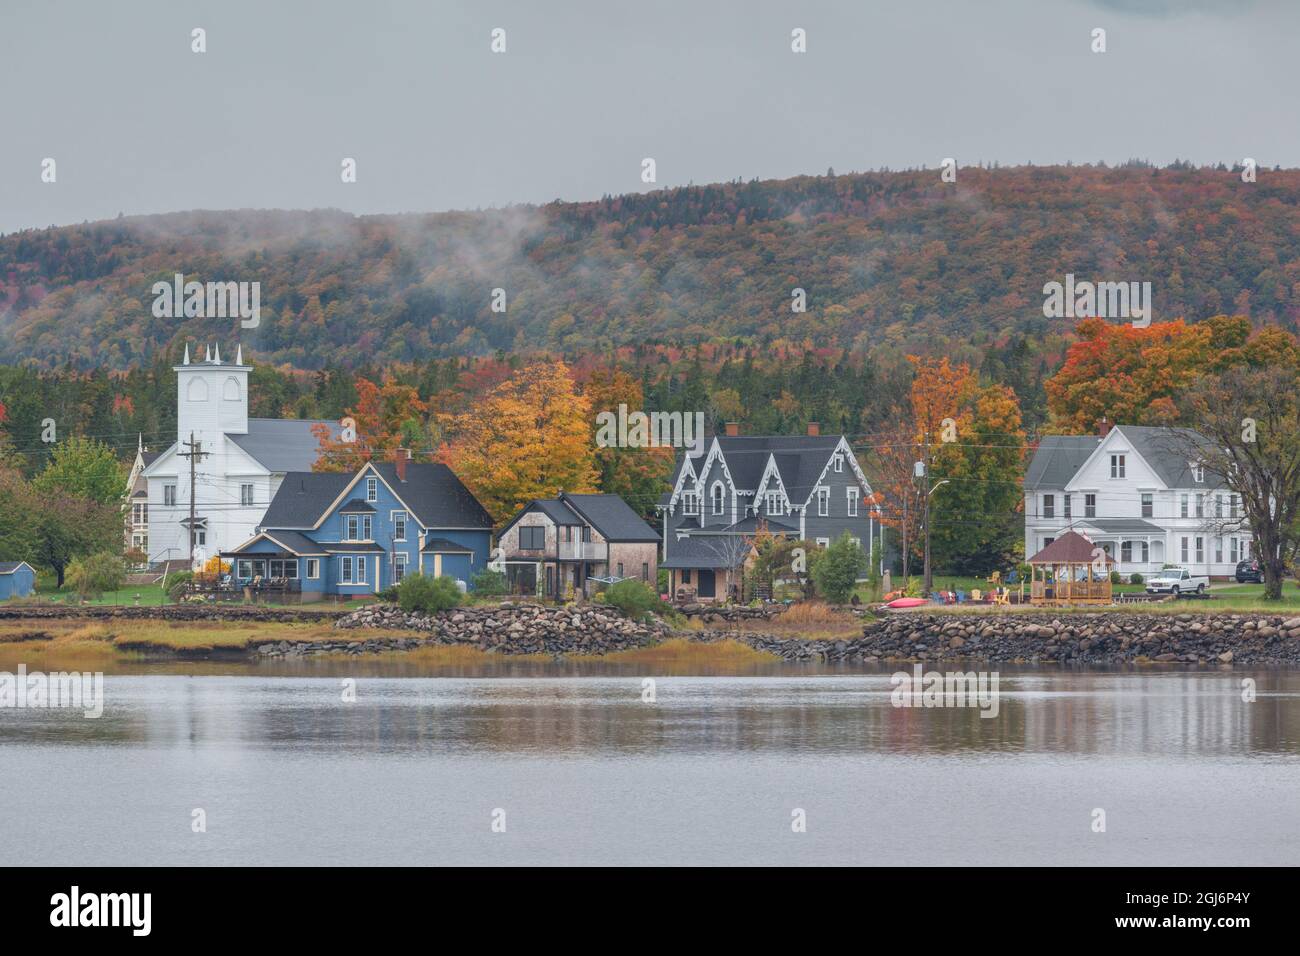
(17, 579)
(348, 535)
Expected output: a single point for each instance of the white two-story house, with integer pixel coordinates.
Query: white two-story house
(1140, 495)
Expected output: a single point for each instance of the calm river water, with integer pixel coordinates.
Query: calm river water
(417, 768)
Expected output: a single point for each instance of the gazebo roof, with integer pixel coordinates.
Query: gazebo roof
(1069, 548)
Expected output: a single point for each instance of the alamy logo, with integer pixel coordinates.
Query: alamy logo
(954, 689)
(71, 689)
(653, 430)
(1103, 300)
(102, 909)
(213, 300)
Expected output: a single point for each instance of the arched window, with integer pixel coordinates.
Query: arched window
(230, 391)
(717, 494)
(198, 390)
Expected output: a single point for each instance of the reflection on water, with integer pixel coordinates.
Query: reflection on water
(288, 772)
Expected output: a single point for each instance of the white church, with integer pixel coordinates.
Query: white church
(242, 462)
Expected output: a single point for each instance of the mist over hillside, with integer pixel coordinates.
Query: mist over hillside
(893, 259)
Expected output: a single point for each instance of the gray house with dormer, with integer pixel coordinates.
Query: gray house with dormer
(808, 487)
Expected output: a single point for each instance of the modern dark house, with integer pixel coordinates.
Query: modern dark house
(808, 487)
(559, 547)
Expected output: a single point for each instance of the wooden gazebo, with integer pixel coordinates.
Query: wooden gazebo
(1068, 572)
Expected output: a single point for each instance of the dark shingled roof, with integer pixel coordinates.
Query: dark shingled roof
(431, 491)
(357, 505)
(283, 444)
(296, 543)
(608, 514)
(443, 546)
(718, 551)
(611, 516)
(302, 497)
(751, 524)
(436, 495)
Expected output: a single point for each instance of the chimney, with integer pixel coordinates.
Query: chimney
(400, 458)
(1103, 427)
(814, 429)
(733, 429)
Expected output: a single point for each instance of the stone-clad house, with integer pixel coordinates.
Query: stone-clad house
(558, 547)
(809, 487)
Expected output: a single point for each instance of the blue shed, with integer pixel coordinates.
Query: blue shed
(17, 579)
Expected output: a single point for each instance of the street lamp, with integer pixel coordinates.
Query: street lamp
(930, 489)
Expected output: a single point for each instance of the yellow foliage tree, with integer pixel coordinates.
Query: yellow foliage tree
(530, 437)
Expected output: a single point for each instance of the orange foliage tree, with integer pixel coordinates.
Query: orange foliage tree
(386, 417)
(529, 437)
(635, 474)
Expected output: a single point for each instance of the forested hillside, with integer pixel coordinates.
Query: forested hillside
(893, 261)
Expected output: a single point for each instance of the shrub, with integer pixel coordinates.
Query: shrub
(661, 580)
(93, 575)
(488, 583)
(1136, 578)
(836, 572)
(388, 595)
(425, 594)
(178, 583)
(1116, 577)
(634, 598)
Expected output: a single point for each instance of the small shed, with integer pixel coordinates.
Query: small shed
(1071, 570)
(17, 579)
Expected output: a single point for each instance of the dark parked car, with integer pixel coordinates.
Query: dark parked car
(1249, 572)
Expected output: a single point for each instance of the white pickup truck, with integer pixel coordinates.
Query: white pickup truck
(1177, 581)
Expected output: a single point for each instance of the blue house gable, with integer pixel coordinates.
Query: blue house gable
(350, 535)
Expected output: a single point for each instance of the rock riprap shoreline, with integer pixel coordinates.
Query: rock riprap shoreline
(512, 628)
(1106, 637)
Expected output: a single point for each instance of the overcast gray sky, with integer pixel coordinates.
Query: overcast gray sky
(137, 123)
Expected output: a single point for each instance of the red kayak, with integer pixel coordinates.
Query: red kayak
(907, 602)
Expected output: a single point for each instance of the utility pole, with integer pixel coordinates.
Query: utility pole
(193, 454)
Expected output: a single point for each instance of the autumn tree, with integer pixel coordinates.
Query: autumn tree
(529, 437)
(386, 417)
(1136, 376)
(1247, 438)
(637, 475)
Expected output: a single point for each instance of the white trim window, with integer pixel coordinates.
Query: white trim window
(823, 502)
(1117, 466)
(169, 496)
(246, 495)
(1049, 506)
(313, 569)
(839, 464)
(852, 495)
(1183, 549)
(717, 495)
(774, 506)
(399, 567)
(1198, 472)
(1182, 506)
(356, 527)
(1200, 550)
(352, 570)
(1090, 506)
(690, 503)
(372, 489)
(1065, 506)
(399, 525)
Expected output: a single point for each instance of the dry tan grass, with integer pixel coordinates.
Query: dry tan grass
(680, 651)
